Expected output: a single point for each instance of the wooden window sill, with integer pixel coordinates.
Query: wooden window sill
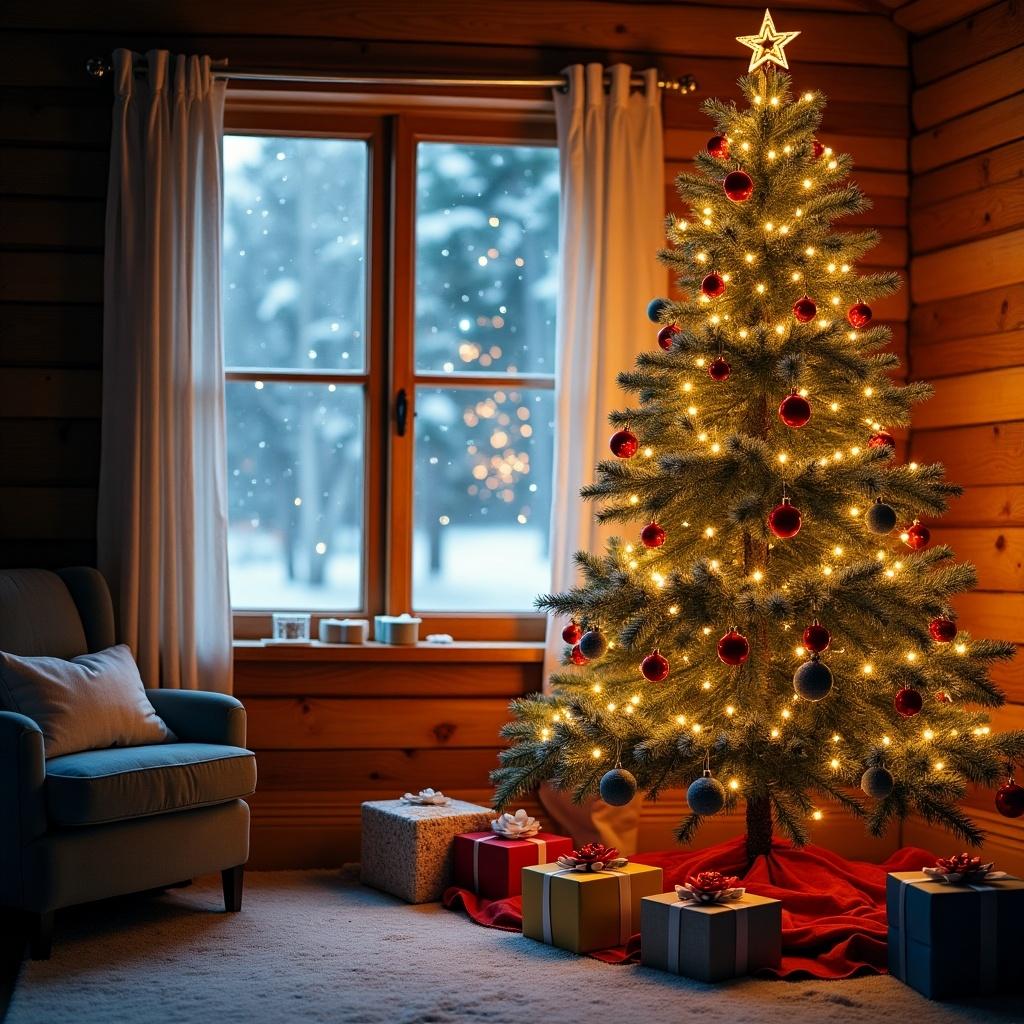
(460, 651)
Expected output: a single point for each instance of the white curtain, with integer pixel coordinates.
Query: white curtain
(612, 213)
(163, 488)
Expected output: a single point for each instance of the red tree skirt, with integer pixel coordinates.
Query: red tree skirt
(833, 909)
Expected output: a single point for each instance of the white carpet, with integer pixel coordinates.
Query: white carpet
(317, 947)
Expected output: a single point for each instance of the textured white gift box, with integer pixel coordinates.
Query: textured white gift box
(407, 848)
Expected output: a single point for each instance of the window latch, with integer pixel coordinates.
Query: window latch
(401, 411)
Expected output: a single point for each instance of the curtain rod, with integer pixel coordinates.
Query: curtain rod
(100, 67)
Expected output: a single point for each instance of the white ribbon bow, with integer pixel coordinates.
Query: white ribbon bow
(515, 826)
(690, 894)
(575, 864)
(426, 797)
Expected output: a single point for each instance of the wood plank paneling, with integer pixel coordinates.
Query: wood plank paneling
(982, 129)
(990, 397)
(989, 211)
(322, 723)
(971, 89)
(994, 30)
(991, 454)
(993, 167)
(964, 269)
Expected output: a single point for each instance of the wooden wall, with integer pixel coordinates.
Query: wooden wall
(333, 732)
(967, 318)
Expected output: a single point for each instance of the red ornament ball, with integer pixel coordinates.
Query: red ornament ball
(942, 630)
(624, 444)
(794, 410)
(859, 315)
(713, 285)
(882, 439)
(739, 186)
(667, 335)
(572, 633)
(784, 520)
(1010, 799)
(718, 147)
(805, 309)
(733, 648)
(816, 638)
(917, 536)
(652, 535)
(577, 656)
(654, 667)
(908, 702)
(719, 369)
(818, 149)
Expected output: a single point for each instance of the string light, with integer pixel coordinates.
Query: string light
(673, 609)
(734, 784)
(886, 741)
(834, 763)
(928, 734)
(730, 710)
(817, 815)
(680, 719)
(596, 753)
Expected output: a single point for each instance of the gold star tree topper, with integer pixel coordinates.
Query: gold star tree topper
(769, 45)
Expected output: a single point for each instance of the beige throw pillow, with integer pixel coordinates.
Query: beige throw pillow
(88, 703)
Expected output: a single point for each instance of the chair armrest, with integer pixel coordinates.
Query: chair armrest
(22, 797)
(200, 716)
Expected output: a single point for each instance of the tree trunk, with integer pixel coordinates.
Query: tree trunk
(759, 827)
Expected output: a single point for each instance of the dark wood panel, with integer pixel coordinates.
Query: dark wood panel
(998, 553)
(995, 30)
(993, 311)
(839, 38)
(962, 355)
(990, 397)
(373, 724)
(385, 679)
(971, 267)
(45, 171)
(992, 454)
(983, 129)
(50, 336)
(992, 615)
(974, 215)
(52, 223)
(970, 89)
(52, 452)
(382, 773)
(51, 277)
(80, 117)
(990, 168)
(48, 513)
(995, 505)
(921, 16)
(31, 393)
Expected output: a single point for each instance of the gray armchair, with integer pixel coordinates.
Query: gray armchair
(101, 823)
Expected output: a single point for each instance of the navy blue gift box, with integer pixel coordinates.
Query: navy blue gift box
(957, 939)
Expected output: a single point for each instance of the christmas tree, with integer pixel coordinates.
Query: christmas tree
(774, 615)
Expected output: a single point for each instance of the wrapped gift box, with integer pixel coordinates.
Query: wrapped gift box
(950, 940)
(585, 910)
(492, 866)
(710, 941)
(407, 848)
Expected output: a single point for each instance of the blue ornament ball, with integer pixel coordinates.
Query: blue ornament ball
(617, 787)
(706, 795)
(877, 782)
(655, 308)
(813, 680)
(593, 644)
(881, 518)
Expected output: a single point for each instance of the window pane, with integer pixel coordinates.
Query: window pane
(483, 498)
(295, 486)
(295, 214)
(486, 257)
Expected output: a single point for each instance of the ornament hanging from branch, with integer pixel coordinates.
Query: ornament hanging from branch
(719, 369)
(572, 633)
(667, 335)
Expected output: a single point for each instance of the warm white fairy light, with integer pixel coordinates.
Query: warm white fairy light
(817, 815)
(869, 391)
(597, 688)
(730, 710)
(701, 257)
(774, 734)
(834, 763)
(743, 332)
(961, 648)
(673, 609)
(634, 499)
(759, 289)
(635, 699)
(612, 705)
(867, 668)
(939, 765)
(854, 511)
(696, 727)
(757, 575)
(596, 753)
(782, 457)
(648, 452)
(680, 719)
(734, 784)
(715, 447)
(796, 275)
(834, 406)
(705, 685)
(715, 564)
(928, 734)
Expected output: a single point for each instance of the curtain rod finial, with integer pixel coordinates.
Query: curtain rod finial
(97, 67)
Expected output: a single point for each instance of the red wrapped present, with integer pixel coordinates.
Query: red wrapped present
(491, 863)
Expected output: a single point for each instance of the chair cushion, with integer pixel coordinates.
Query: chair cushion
(38, 616)
(91, 702)
(98, 786)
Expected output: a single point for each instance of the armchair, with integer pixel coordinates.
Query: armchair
(101, 823)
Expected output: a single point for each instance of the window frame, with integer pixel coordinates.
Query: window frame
(392, 131)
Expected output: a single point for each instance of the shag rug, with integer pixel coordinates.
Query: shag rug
(315, 946)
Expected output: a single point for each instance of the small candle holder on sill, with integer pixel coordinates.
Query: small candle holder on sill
(290, 628)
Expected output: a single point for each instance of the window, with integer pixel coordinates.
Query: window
(390, 367)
